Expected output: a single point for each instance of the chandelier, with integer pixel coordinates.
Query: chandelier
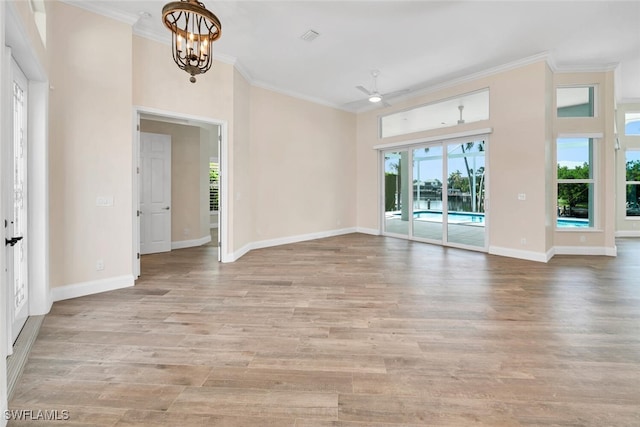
(193, 31)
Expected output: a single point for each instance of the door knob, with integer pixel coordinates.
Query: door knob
(12, 241)
(166, 208)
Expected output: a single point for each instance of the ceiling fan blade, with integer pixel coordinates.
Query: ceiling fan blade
(361, 88)
(385, 103)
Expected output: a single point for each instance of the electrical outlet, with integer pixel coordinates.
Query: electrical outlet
(186, 231)
(523, 241)
(583, 239)
(100, 265)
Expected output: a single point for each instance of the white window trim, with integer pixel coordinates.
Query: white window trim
(629, 218)
(596, 92)
(439, 138)
(595, 137)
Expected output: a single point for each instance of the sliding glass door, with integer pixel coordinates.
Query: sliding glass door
(465, 193)
(427, 193)
(436, 193)
(396, 193)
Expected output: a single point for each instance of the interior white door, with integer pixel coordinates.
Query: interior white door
(155, 193)
(15, 191)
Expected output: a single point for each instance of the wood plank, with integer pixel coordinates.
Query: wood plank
(348, 331)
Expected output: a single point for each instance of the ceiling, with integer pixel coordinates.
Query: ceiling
(416, 45)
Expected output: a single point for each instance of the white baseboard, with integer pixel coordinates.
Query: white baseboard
(586, 250)
(300, 238)
(233, 257)
(287, 240)
(520, 254)
(372, 231)
(628, 233)
(92, 287)
(190, 243)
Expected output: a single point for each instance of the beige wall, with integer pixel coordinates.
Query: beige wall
(516, 155)
(159, 84)
(295, 168)
(90, 145)
(522, 159)
(188, 177)
(604, 233)
(302, 166)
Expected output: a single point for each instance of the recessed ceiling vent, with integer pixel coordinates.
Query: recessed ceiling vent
(310, 35)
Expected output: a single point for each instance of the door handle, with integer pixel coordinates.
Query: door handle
(166, 208)
(12, 241)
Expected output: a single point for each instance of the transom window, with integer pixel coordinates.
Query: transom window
(466, 108)
(632, 123)
(576, 101)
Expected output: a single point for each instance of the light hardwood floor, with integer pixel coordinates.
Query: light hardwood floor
(353, 330)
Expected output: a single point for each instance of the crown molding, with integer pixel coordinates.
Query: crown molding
(414, 92)
(244, 72)
(153, 35)
(486, 73)
(297, 95)
(419, 91)
(587, 68)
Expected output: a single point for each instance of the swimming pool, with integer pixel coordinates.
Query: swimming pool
(476, 218)
(572, 223)
(453, 217)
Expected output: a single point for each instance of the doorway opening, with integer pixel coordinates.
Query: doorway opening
(172, 209)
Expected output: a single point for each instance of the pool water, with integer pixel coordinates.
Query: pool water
(572, 223)
(477, 218)
(453, 217)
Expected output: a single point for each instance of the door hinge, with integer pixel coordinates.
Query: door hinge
(138, 169)
(137, 213)
(219, 244)
(138, 255)
(138, 128)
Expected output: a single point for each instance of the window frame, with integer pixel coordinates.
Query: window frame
(577, 86)
(456, 117)
(214, 160)
(626, 113)
(593, 181)
(627, 182)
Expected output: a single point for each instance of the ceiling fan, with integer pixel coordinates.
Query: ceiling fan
(375, 96)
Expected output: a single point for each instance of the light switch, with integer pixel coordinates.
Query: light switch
(522, 196)
(104, 201)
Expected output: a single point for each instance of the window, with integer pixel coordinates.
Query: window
(466, 108)
(632, 158)
(576, 183)
(214, 185)
(576, 101)
(632, 123)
